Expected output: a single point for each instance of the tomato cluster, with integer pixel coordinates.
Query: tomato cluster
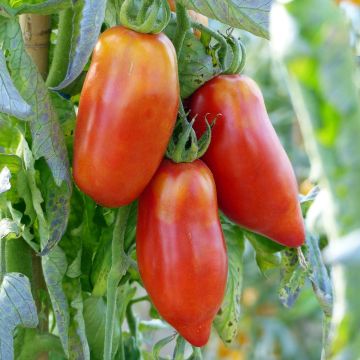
(127, 113)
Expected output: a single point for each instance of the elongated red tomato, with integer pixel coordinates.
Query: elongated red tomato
(127, 112)
(180, 248)
(254, 178)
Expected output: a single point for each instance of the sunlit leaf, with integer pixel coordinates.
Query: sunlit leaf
(88, 18)
(250, 15)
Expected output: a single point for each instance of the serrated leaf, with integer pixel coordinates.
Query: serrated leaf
(11, 101)
(5, 176)
(47, 138)
(54, 267)
(293, 277)
(44, 8)
(88, 18)
(249, 15)
(17, 308)
(227, 320)
(57, 203)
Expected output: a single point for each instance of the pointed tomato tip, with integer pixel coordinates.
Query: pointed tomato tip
(295, 240)
(197, 335)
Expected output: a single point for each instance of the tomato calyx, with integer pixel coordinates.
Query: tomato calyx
(184, 146)
(149, 17)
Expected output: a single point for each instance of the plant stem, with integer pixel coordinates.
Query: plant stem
(218, 37)
(2, 259)
(182, 26)
(119, 266)
(60, 61)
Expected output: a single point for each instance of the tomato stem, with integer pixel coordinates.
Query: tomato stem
(224, 47)
(60, 61)
(238, 56)
(119, 266)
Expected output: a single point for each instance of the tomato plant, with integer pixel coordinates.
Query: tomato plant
(149, 204)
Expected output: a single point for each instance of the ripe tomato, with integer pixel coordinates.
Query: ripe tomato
(127, 112)
(255, 182)
(180, 248)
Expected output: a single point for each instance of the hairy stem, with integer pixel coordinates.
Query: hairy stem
(182, 26)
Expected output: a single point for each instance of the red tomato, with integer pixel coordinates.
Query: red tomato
(128, 108)
(180, 248)
(254, 178)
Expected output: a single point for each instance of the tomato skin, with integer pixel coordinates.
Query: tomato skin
(254, 178)
(180, 248)
(127, 112)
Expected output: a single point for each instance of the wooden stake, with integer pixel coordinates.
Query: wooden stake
(36, 31)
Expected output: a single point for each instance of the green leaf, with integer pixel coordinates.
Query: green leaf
(195, 65)
(54, 268)
(11, 101)
(293, 277)
(88, 18)
(94, 315)
(227, 320)
(47, 139)
(153, 325)
(17, 309)
(10, 136)
(267, 251)
(38, 7)
(57, 206)
(318, 274)
(263, 244)
(79, 347)
(160, 344)
(67, 117)
(249, 15)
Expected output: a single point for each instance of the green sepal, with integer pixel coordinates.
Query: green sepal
(184, 146)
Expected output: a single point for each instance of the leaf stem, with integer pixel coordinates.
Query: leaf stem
(118, 269)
